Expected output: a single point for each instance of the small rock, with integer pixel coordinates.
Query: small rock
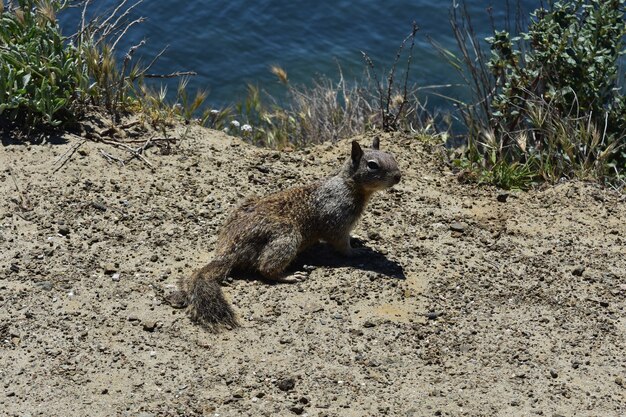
(604, 303)
(515, 403)
(238, 393)
(502, 197)
(578, 271)
(619, 381)
(132, 317)
(356, 332)
(149, 325)
(553, 373)
(45, 285)
(109, 268)
(286, 384)
(297, 409)
(115, 276)
(459, 227)
(98, 206)
(369, 324)
(373, 235)
(14, 268)
(154, 257)
(433, 315)
(64, 230)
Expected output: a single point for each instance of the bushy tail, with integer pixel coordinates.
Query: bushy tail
(206, 303)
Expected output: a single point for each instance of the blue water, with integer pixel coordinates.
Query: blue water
(231, 43)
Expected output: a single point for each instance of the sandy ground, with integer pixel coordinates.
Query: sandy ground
(465, 301)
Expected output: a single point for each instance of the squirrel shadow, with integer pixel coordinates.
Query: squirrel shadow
(366, 259)
(323, 255)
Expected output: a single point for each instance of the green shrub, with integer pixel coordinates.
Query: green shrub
(550, 97)
(40, 74)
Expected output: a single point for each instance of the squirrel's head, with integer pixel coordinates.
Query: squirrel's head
(373, 169)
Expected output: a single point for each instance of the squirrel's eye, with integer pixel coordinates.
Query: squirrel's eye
(372, 165)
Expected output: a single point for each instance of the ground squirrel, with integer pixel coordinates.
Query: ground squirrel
(265, 234)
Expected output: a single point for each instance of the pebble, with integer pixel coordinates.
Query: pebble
(109, 268)
(459, 227)
(149, 325)
(45, 285)
(373, 235)
(502, 197)
(433, 315)
(115, 276)
(368, 324)
(578, 271)
(64, 230)
(553, 373)
(297, 409)
(286, 384)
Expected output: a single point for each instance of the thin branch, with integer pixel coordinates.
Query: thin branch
(68, 155)
(131, 24)
(146, 69)
(172, 75)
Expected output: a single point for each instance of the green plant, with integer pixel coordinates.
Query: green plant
(40, 74)
(555, 85)
(47, 79)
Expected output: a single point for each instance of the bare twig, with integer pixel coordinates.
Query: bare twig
(172, 75)
(134, 152)
(121, 35)
(68, 155)
(110, 158)
(146, 69)
(83, 20)
(25, 204)
(127, 58)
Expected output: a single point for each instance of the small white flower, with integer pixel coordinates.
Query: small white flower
(225, 130)
(214, 112)
(235, 123)
(246, 128)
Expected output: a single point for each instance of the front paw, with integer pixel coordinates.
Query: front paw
(296, 277)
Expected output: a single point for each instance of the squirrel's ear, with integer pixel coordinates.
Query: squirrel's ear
(357, 153)
(376, 143)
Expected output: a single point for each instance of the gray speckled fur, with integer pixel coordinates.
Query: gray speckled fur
(267, 233)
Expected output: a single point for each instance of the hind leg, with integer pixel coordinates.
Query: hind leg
(276, 256)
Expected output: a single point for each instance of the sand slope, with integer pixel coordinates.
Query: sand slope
(460, 305)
